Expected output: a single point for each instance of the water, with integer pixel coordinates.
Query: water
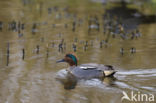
(33, 80)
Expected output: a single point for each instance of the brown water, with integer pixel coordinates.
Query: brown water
(32, 80)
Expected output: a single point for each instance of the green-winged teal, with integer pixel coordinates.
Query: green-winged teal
(87, 71)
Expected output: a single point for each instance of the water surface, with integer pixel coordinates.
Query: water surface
(33, 80)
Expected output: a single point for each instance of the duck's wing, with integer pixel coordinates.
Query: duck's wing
(89, 66)
(96, 66)
(106, 67)
(107, 70)
(85, 72)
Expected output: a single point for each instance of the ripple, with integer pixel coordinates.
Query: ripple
(92, 82)
(137, 72)
(149, 88)
(124, 85)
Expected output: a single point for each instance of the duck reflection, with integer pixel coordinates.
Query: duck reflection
(69, 81)
(109, 81)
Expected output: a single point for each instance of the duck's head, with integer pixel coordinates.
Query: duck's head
(70, 59)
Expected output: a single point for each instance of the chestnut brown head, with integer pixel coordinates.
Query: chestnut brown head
(70, 59)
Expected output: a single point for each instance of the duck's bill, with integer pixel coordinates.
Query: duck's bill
(62, 60)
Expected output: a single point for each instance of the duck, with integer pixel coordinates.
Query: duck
(87, 71)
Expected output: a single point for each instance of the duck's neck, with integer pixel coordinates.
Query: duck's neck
(72, 67)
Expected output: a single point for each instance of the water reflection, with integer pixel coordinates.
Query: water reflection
(67, 79)
(44, 28)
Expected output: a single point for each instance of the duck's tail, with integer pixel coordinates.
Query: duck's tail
(109, 73)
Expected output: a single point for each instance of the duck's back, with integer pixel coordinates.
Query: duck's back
(88, 71)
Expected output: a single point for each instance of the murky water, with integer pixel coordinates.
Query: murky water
(33, 80)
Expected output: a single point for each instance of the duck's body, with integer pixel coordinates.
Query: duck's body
(87, 71)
